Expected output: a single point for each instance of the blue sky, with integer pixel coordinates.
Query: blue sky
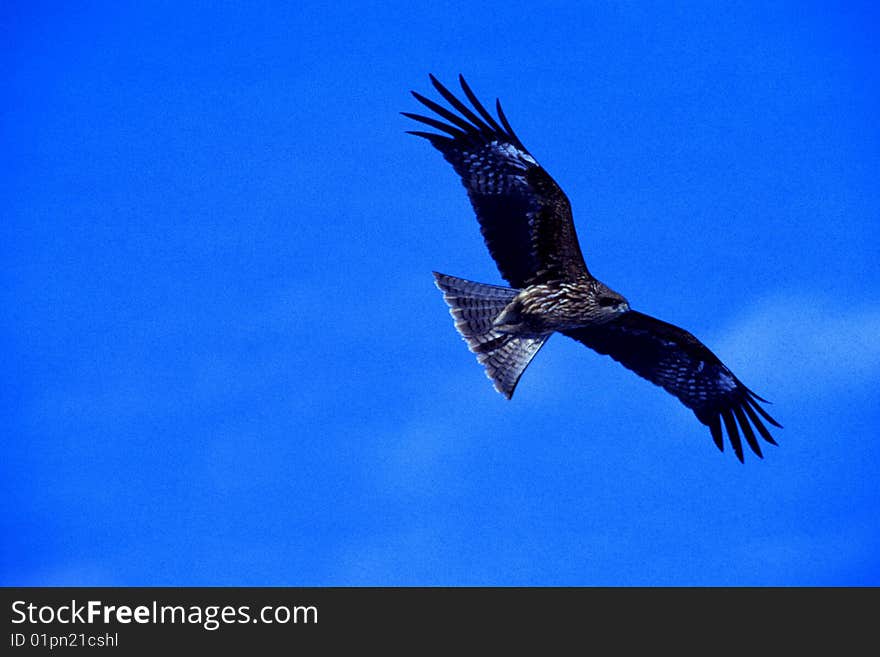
(226, 362)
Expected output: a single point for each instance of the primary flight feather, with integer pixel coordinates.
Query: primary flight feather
(526, 222)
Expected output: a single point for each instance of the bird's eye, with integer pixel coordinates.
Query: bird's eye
(607, 301)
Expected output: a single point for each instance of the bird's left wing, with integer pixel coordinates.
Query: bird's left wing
(524, 216)
(674, 359)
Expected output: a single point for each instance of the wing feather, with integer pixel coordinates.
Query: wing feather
(460, 106)
(435, 123)
(505, 122)
(524, 215)
(452, 117)
(732, 433)
(683, 366)
(472, 97)
(760, 410)
(747, 430)
(765, 434)
(717, 435)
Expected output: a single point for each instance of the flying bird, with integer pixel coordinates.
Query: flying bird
(526, 222)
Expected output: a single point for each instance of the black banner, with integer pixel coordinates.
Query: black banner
(129, 620)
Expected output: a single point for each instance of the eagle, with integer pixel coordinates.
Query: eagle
(526, 222)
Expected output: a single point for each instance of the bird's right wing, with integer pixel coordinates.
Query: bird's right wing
(524, 216)
(672, 358)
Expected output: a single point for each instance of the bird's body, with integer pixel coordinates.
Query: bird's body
(526, 222)
(561, 306)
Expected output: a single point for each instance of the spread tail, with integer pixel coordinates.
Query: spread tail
(475, 307)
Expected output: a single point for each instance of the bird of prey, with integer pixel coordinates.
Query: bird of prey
(526, 222)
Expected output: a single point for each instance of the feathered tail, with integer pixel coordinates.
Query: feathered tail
(475, 307)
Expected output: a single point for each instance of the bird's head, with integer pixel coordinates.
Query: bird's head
(610, 302)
